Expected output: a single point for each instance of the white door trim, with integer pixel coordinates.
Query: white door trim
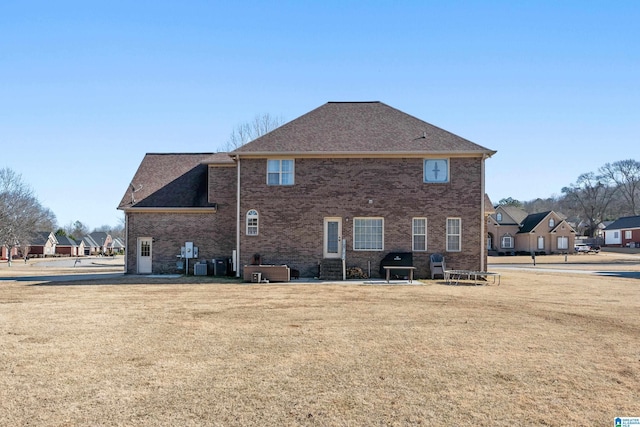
(144, 261)
(332, 248)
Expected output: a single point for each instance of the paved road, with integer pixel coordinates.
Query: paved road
(63, 277)
(606, 270)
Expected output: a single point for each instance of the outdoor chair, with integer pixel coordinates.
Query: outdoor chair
(437, 265)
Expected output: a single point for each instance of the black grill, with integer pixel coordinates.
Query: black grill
(400, 259)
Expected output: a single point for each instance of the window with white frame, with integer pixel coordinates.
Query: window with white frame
(454, 234)
(499, 217)
(540, 242)
(628, 234)
(506, 242)
(563, 242)
(368, 234)
(280, 172)
(419, 232)
(552, 222)
(252, 223)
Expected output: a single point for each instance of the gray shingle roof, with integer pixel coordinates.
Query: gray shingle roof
(625, 222)
(359, 127)
(66, 241)
(40, 238)
(173, 180)
(532, 220)
(518, 215)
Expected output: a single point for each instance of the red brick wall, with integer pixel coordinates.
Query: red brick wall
(291, 217)
(213, 233)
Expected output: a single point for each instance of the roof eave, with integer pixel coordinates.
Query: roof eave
(134, 209)
(362, 154)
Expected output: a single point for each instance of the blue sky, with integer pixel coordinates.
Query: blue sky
(87, 88)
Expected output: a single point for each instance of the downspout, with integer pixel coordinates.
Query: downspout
(126, 239)
(238, 217)
(483, 237)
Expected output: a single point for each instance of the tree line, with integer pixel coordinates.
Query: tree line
(612, 192)
(22, 215)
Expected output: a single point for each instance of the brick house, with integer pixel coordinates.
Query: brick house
(42, 244)
(512, 230)
(363, 175)
(624, 232)
(66, 246)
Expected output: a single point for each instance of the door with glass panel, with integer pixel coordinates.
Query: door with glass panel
(144, 255)
(332, 237)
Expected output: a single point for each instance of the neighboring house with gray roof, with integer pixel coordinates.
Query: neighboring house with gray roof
(117, 246)
(91, 247)
(623, 232)
(103, 241)
(511, 230)
(42, 244)
(359, 174)
(66, 246)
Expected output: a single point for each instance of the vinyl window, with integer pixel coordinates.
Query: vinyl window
(563, 242)
(454, 234)
(252, 223)
(419, 232)
(368, 234)
(280, 172)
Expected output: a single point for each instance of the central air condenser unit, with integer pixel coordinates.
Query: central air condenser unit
(200, 269)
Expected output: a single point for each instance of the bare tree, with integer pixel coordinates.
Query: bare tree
(590, 196)
(246, 132)
(21, 214)
(76, 230)
(626, 175)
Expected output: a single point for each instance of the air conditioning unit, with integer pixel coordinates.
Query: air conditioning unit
(200, 269)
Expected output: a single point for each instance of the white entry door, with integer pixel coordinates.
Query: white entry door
(332, 237)
(144, 255)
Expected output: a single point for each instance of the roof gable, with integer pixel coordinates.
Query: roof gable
(41, 238)
(359, 128)
(532, 221)
(100, 237)
(514, 215)
(169, 180)
(66, 241)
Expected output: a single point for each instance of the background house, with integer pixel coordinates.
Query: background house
(624, 232)
(512, 231)
(42, 244)
(67, 246)
(363, 179)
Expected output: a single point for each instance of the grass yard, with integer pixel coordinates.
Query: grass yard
(541, 349)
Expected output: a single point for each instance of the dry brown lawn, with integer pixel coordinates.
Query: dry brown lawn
(543, 348)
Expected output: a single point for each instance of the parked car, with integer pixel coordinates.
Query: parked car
(585, 249)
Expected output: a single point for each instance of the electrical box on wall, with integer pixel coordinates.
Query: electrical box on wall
(189, 251)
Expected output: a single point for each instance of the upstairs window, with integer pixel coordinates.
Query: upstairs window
(499, 217)
(552, 222)
(280, 172)
(252, 223)
(436, 170)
